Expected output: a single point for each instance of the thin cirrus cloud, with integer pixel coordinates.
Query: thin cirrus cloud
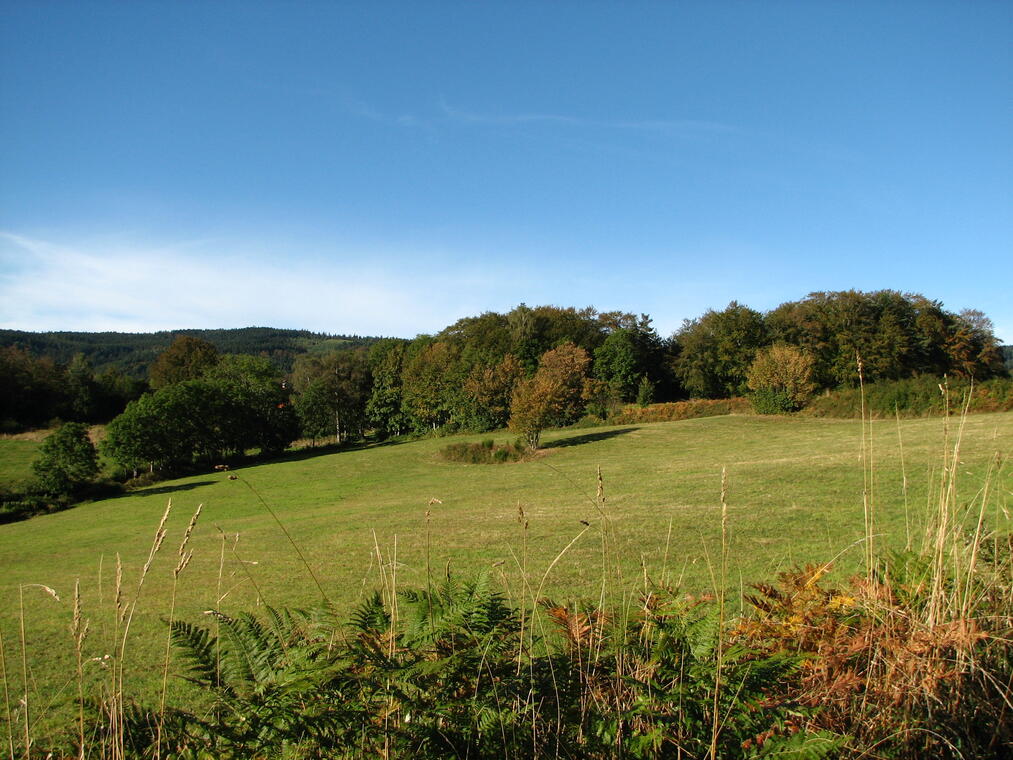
(49, 286)
(452, 115)
(671, 126)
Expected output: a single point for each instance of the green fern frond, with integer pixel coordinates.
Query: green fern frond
(818, 745)
(197, 647)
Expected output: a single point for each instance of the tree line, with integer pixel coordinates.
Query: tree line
(131, 354)
(533, 368)
(38, 390)
(530, 368)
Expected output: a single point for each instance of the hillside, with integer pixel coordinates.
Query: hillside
(133, 353)
(794, 495)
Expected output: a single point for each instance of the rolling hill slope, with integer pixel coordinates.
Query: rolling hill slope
(794, 496)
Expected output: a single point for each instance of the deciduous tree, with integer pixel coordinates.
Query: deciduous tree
(715, 351)
(67, 461)
(338, 387)
(553, 396)
(428, 385)
(187, 358)
(491, 389)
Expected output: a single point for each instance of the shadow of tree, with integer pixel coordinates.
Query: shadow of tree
(310, 452)
(578, 440)
(158, 490)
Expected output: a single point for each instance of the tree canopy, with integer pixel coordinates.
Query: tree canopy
(486, 371)
(186, 359)
(553, 396)
(67, 461)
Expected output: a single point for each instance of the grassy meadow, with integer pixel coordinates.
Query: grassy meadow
(17, 452)
(794, 493)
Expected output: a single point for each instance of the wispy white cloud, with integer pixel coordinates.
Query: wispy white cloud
(118, 285)
(451, 115)
(49, 286)
(668, 126)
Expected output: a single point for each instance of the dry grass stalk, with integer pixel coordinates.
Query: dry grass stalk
(25, 699)
(903, 475)
(79, 631)
(116, 699)
(720, 591)
(7, 697)
(184, 559)
(295, 546)
(867, 474)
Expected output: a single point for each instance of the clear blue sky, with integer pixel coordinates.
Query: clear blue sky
(383, 168)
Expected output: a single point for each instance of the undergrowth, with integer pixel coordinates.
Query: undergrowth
(680, 410)
(485, 452)
(915, 397)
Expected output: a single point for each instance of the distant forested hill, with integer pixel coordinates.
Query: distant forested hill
(133, 353)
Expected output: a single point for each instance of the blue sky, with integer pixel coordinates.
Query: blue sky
(384, 168)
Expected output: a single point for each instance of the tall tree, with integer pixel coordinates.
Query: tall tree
(553, 395)
(429, 388)
(256, 396)
(384, 408)
(896, 334)
(491, 388)
(339, 386)
(187, 358)
(203, 421)
(972, 348)
(616, 362)
(83, 394)
(715, 351)
(33, 392)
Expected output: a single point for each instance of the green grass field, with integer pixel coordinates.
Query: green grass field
(794, 494)
(16, 457)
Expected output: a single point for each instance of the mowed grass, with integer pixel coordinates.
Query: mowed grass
(794, 495)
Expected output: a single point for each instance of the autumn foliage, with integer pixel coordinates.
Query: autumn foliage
(781, 378)
(552, 396)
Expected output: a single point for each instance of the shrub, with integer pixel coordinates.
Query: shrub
(770, 401)
(781, 378)
(880, 668)
(67, 461)
(680, 410)
(452, 671)
(486, 452)
(21, 506)
(925, 395)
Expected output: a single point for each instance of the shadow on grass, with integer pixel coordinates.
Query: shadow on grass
(158, 490)
(310, 452)
(578, 440)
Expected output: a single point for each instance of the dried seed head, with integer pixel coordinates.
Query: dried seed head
(184, 560)
(118, 595)
(189, 530)
(159, 538)
(78, 626)
(47, 589)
